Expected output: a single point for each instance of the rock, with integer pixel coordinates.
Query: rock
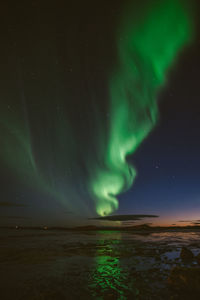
(185, 280)
(110, 260)
(186, 254)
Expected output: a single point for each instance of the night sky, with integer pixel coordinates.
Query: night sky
(56, 115)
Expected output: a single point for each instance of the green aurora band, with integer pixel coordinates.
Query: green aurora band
(83, 164)
(147, 46)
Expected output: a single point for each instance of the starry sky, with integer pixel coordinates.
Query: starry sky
(56, 60)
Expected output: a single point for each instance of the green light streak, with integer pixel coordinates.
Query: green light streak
(147, 46)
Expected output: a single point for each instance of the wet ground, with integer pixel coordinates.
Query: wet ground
(52, 265)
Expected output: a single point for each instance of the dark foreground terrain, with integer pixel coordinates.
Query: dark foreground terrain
(49, 265)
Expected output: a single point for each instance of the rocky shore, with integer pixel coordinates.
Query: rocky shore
(99, 265)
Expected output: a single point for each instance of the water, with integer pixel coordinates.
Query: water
(90, 265)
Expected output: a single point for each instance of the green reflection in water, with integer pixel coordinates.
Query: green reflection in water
(110, 280)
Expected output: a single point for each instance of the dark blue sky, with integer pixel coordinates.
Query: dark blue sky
(168, 161)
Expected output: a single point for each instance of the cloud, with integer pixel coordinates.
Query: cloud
(196, 223)
(191, 221)
(182, 221)
(124, 217)
(11, 204)
(15, 217)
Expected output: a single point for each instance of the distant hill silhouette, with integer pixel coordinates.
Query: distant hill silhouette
(135, 228)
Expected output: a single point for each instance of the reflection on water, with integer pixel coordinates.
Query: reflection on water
(109, 279)
(132, 266)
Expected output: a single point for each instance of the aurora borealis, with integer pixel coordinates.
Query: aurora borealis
(79, 98)
(145, 54)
